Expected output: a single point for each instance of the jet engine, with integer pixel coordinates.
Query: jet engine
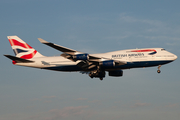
(81, 57)
(116, 73)
(108, 63)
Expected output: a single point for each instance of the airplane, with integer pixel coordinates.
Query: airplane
(96, 65)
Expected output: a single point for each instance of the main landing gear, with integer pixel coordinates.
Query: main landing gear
(159, 71)
(97, 74)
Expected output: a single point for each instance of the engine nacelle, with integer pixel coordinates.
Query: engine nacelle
(81, 57)
(108, 63)
(116, 73)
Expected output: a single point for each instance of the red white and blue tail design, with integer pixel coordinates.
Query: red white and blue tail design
(22, 49)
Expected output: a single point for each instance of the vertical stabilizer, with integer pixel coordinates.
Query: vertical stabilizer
(22, 49)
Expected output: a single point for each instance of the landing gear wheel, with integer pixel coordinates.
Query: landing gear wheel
(90, 75)
(101, 78)
(158, 71)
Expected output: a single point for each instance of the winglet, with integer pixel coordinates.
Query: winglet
(42, 41)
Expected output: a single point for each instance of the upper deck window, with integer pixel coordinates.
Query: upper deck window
(162, 49)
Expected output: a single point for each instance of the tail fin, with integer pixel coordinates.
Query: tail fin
(22, 49)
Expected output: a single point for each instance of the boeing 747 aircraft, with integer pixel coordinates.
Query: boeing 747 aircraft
(95, 65)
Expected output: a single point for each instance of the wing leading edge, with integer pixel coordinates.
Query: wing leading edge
(58, 47)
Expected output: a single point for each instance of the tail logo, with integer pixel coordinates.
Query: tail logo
(14, 42)
(22, 50)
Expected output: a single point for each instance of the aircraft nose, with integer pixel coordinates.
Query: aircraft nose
(175, 57)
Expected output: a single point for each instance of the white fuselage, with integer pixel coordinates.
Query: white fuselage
(133, 58)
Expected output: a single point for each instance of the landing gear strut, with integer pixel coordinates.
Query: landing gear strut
(159, 71)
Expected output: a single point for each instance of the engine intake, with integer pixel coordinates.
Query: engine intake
(81, 57)
(116, 73)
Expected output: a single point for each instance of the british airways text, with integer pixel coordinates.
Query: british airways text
(127, 55)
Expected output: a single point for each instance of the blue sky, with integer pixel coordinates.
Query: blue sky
(92, 26)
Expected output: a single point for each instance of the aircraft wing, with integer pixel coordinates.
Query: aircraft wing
(65, 50)
(88, 61)
(58, 47)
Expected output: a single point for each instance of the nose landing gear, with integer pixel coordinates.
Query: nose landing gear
(159, 71)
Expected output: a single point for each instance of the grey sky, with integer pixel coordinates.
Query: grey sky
(92, 26)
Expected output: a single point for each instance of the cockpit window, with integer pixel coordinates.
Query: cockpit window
(162, 49)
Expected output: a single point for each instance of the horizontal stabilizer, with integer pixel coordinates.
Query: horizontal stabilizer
(17, 59)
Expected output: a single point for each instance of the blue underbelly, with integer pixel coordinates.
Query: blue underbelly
(142, 64)
(129, 65)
